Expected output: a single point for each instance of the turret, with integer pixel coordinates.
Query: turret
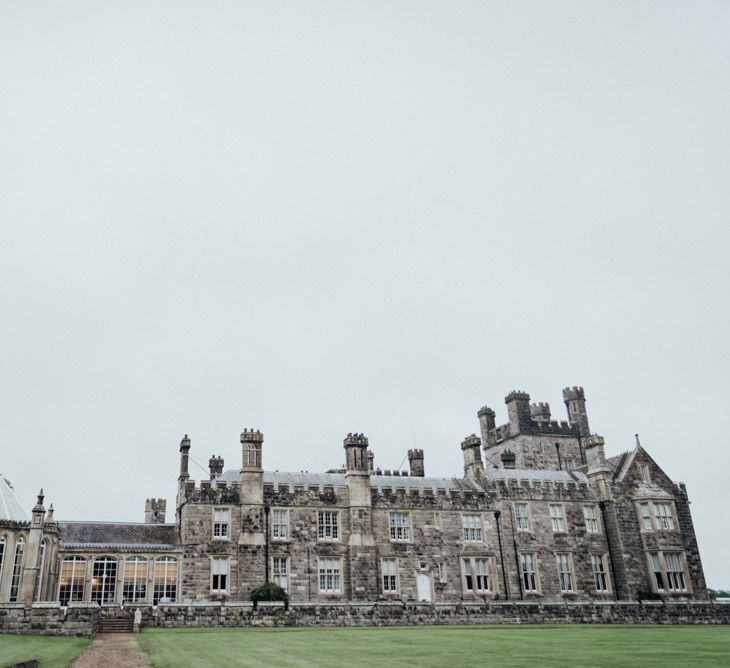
(509, 459)
(39, 512)
(540, 412)
(415, 460)
(252, 475)
(471, 447)
(518, 410)
(575, 403)
(184, 454)
(215, 465)
(486, 422)
(154, 511)
(356, 453)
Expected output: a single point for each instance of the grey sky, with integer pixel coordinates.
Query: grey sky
(316, 218)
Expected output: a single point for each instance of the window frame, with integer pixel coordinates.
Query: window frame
(527, 518)
(328, 531)
(164, 585)
(281, 512)
(564, 564)
(472, 534)
(473, 578)
(535, 572)
(277, 575)
(591, 521)
(560, 519)
(601, 575)
(335, 576)
(222, 527)
(137, 582)
(400, 532)
(74, 581)
(16, 574)
(220, 559)
(659, 572)
(389, 582)
(104, 592)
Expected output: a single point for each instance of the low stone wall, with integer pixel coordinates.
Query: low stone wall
(400, 614)
(83, 619)
(50, 619)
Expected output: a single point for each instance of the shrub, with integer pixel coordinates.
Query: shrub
(269, 592)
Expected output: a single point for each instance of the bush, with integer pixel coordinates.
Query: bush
(269, 592)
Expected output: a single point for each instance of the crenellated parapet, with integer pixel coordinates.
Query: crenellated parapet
(222, 491)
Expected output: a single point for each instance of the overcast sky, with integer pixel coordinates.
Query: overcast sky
(323, 217)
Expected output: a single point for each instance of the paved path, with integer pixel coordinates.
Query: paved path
(113, 650)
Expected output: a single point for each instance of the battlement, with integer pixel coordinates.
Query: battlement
(516, 395)
(540, 411)
(485, 411)
(205, 491)
(573, 393)
(356, 439)
(154, 511)
(251, 436)
(472, 441)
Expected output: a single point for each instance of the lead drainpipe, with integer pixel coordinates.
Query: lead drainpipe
(497, 515)
(560, 462)
(266, 541)
(603, 505)
(517, 556)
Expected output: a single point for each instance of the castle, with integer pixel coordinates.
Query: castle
(540, 514)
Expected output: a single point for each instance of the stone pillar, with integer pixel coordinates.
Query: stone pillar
(363, 579)
(471, 447)
(415, 460)
(486, 422)
(575, 403)
(29, 571)
(518, 410)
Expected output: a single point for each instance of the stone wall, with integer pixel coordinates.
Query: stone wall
(50, 619)
(398, 614)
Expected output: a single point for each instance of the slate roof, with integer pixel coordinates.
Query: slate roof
(119, 535)
(537, 474)
(10, 508)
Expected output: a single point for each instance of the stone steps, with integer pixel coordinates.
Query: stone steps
(116, 625)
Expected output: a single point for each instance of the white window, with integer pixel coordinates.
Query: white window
(219, 573)
(645, 512)
(279, 523)
(71, 582)
(472, 527)
(522, 516)
(528, 572)
(389, 568)
(598, 566)
(221, 523)
(591, 518)
(104, 580)
(644, 473)
(328, 525)
(41, 568)
(17, 569)
(557, 517)
(478, 574)
(565, 571)
(165, 582)
(675, 571)
(330, 578)
(134, 586)
(668, 571)
(400, 526)
(280, 572)
(663, 515)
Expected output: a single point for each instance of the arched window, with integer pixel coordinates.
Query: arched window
(134, 588)
(2, 555)
(41, 566)
(104, 580)
(165, 589)
(73, 576)
(17, 569)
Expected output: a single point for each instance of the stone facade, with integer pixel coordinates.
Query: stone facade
(540, 518)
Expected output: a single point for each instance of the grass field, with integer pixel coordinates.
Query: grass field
(51, 652)
(441, 646)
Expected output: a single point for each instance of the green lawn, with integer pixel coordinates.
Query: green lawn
(51, 652)
(441, 646)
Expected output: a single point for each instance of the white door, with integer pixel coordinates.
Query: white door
(423, 584)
